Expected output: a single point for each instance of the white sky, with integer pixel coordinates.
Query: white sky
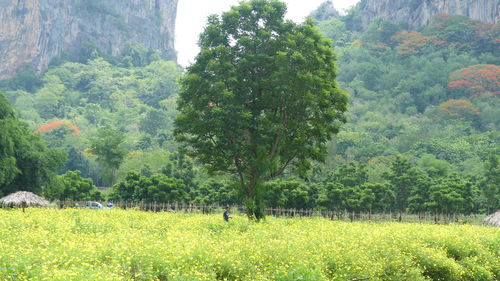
(192, 16)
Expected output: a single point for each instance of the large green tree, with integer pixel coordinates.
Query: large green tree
(260, 98)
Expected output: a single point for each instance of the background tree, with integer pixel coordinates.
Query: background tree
(155, 188)
(260, 97)
(289, 194)
(216, 192)
(108, 146)
(71, 186)
(490, 185)
(401, 179)
(452, 195)
(77, 162)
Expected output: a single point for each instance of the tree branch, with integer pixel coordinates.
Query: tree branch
(281, 169)
(275, 146)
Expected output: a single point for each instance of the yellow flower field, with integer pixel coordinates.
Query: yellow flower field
(49, 244)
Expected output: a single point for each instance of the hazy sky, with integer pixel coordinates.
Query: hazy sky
(192, 16)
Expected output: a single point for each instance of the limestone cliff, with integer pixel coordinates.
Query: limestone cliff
(418, 13)
(38, 30)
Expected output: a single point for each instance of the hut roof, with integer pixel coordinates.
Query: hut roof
(493, 219)
(22, 199)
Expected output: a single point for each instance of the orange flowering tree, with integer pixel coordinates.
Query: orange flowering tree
(459, 32)
(465, 33)
(55, 124)
(411, 42)
(476, 80)
(459, 109)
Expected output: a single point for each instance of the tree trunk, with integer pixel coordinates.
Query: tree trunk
(254, 198)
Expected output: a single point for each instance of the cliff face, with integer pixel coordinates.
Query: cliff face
(418, 13)
(38, 30)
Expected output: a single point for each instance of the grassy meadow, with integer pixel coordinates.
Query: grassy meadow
(71, 244)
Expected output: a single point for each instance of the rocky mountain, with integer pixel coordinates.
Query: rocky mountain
(325, 11)
(36, 31)
(418, 13)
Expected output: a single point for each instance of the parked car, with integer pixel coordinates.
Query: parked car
(94, 205)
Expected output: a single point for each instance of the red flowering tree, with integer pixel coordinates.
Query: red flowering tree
(476, 80)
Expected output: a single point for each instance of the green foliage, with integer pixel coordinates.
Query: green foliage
(25, 79)
(137, 55)
(26, 163)
(404, 87)
(154, 121)
(347, 188)
(59, 137)
(434, 167)
(430, 96)
(260, 97)
(289, 194)
(108, 147)
(465, 33)
(101, 88)
(402, 178)
(77, 162)
(71, 186)
(452, 195)
(88, 51)
(380, 32)
(156, 188)
(139, 101)
(216, 192)
(490, 184)
(182, 168)
(336, 30)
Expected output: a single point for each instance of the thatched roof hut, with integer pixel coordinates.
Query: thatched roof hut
(23, 199)
(493, 219)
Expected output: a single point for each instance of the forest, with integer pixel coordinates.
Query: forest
(421, 135)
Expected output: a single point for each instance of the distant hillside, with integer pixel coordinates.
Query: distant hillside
(36, 31)
(427, 93)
